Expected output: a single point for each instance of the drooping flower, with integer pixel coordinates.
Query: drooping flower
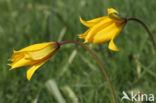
(103, 29)
(33, 56)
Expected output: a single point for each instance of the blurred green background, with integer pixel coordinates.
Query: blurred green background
(72, 75)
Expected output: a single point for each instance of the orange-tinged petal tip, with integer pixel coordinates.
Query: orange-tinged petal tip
(12, 67)
(81, 36)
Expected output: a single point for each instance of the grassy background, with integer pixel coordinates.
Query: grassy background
(72, 75)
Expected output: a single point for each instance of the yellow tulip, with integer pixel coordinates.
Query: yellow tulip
(33, 56)
(103, 29)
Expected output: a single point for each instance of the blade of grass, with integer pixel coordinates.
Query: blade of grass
(54, 90)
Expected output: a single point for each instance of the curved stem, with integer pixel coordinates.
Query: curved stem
(146, 28)
(97, 60)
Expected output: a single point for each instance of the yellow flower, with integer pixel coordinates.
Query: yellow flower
(33, 56)
(103, 29)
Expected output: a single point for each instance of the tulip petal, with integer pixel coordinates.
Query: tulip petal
(16, 56)
(107, 33)
(112, 13)
(83, 36)
(21, 61)
(33, 68)
(92, 22)
(112, 46)
(41, 54)
(96, 28)
(35, 47)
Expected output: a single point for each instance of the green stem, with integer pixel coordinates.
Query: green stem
(97, 60)
(146, 28)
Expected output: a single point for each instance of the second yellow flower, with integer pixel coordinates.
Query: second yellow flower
(103, 29)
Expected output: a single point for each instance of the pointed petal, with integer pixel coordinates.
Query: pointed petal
(112, 46)
(33, 68)
(112, 13)
(16, 56)
(21, 62)
(91, 22)
(83, 36)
